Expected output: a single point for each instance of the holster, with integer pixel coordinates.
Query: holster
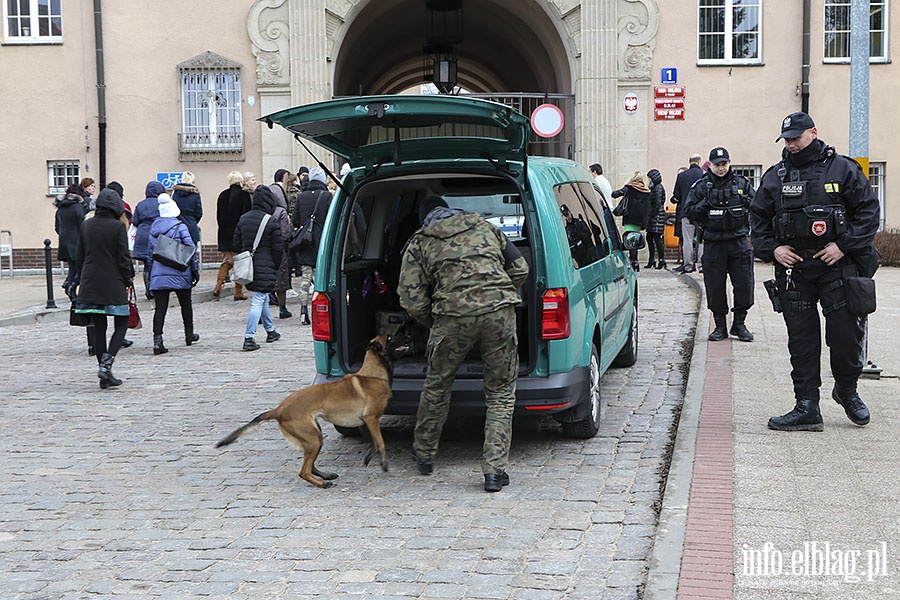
(772, 290)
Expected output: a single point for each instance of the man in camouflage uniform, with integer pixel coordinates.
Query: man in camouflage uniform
(460, 277)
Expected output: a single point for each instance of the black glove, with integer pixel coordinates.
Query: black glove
(195, 278)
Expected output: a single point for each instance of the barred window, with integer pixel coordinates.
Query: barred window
(876, 179)
(729, 31)
(32, 21)
(837, 30)
(61, 174)
(751, 172)
(211, 108)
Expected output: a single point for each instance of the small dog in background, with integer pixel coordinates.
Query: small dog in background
(355, 400)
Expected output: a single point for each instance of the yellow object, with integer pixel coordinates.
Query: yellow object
(671, 239)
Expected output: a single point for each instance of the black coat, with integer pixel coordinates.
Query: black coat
(306, 202)
(104, 262)
(270, 251)
(683, 184)
(230, 205)
(187, 197)
(70, 211)
(657, 222)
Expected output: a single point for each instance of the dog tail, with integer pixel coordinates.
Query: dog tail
(245, 429)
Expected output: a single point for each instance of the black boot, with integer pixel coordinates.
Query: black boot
(661, 265)
(190, 337)
(739, 329)
(304, 315)
(651, 264)
(721, 331)
(158, 347)
(804, 417)
(104, 373)
(853, 405)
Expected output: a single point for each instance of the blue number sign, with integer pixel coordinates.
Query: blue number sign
(669, 76)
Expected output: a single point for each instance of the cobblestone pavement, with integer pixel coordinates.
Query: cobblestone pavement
(121, 494)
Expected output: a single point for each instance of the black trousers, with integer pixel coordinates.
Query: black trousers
(162, 306)
(811, 283)
(728, 259)
(656, 244)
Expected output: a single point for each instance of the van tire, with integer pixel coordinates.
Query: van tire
(628, 354)
(588, 427)
(348, 431)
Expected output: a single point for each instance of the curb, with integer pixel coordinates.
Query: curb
(668, 545)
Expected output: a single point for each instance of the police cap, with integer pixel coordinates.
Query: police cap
(795, 124)
(719, 155)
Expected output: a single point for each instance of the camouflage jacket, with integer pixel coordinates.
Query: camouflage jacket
(459, 266)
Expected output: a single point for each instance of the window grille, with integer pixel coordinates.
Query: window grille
(729, 31)
(837, 30)
(32, 21)
(212, 126)
(61, 174)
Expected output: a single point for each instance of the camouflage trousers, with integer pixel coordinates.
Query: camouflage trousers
(449, 340)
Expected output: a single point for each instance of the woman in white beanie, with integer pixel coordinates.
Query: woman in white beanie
(165, 279)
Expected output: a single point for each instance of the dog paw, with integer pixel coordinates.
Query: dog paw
(329, 476)
(384, 467)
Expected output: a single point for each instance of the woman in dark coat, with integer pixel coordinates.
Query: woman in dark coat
(315, 197)
(70, 211)
(187, 197)
(266, 260)
(229, 208)
(146, 211)
(105, 272)
(165, 279)
(283, 277)
(656, 228)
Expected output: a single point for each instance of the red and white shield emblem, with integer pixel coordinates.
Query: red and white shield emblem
(819, 227)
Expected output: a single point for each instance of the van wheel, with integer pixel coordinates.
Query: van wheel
(628, 354)
(590, 425)
(348, 431)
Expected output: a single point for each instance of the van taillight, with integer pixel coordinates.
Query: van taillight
(321, 317)
(555, 314)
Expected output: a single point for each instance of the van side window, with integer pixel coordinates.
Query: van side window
(593, 203)
(578, 229)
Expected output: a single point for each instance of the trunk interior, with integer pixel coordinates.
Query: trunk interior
(382, 217)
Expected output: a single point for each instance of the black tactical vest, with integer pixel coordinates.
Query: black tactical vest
(727, 207)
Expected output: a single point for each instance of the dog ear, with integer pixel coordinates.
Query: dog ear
(375, 346)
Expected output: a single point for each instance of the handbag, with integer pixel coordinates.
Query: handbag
(860, 292)
(173, 253)
(79, 319)
(132, 235)
(243, 262)
(621, 209)
(134, 317)
(302, 238)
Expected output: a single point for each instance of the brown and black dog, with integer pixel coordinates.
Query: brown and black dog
(356, 399)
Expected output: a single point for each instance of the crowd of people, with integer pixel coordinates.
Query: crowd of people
(102, 239)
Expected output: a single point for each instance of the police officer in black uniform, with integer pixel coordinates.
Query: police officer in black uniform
(720, 203)
(815, 216)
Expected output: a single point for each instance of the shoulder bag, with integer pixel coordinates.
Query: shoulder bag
(243, 262)
(302, 238)
(173, 253)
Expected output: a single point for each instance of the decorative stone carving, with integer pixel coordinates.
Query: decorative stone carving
(209, 60)
(637, 24)
(267, 25)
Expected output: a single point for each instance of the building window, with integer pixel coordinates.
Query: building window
(876, 179)
(837, 31)
(751, 172)
(32, 21)
(729, 32)
(212, 126)
(61, 174)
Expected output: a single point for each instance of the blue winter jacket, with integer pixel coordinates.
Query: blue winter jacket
(187, 198)
(163, 277)
(144, 214)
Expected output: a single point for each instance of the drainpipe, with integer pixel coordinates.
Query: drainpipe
(101, 89)
(804, 76)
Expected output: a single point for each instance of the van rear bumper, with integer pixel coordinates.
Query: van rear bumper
(534, 395)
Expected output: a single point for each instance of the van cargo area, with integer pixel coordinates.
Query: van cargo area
(383, 216)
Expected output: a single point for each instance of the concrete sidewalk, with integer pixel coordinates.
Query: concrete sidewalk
(751, 513)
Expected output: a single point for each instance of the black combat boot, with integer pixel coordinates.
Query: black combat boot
(856, 409)
(190, 337)
(158, 347)
(804, 417)
(739, 329)
(721, 331)
(104, 373)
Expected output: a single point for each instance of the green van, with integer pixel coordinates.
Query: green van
(578, 314)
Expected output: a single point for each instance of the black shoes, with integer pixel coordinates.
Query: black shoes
(158, 347)
(304, 315)
(650, 265)
(273, 336)
(104, 373)
(740, 331)
(190, 338)
(853, 405)
(285, 314)
(661, 265)
(494, 482)
(805, 416)
(126, 343)
(250, 344)
(718, 334)
(425, 467)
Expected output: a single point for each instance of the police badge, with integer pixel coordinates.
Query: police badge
(819, 228)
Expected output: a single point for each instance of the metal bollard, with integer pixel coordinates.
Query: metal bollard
(48, 265)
